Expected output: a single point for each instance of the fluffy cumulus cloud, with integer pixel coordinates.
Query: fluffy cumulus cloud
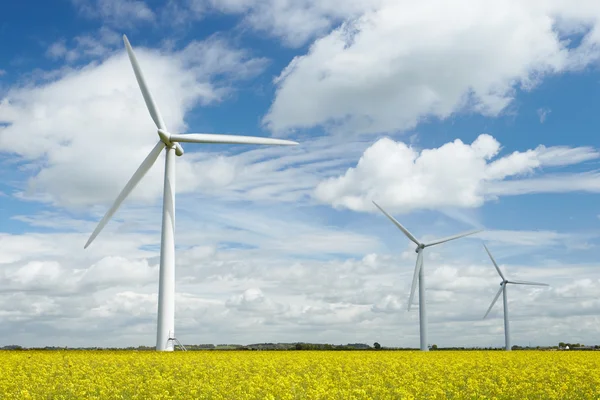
(454, 175)
(401, 62)
(82, 134)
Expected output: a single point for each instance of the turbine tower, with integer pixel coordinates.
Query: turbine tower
(505, 299)
(170, 142)
(420, 274)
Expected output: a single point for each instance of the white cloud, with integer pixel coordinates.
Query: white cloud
(405, 62)
(580, 182)
(282, 229)
(543, 114)
(66, 129)
(293, 21)
(108, 285)
(116, 12)
(97, 45)
(533, 238)
(296, 22)
(454, 175)
(57, 50)
(256, 295)
(253, 300)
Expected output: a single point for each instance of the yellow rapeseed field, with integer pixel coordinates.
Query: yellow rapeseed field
(299, 375)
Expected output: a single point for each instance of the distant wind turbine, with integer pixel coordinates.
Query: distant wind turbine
(166, 287)
(420, 274)
(503, 291)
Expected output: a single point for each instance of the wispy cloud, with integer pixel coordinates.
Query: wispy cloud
(294, 22)
(91, 46)
(536, 238)
(116, 12)
(543, 114)
(556, 183)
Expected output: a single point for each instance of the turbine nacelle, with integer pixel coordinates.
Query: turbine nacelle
(165, 137)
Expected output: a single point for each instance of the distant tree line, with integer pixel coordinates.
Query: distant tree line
(299, 346)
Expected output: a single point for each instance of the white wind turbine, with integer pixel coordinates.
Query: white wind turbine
(420, 274)
(503, 291)
(166, 286)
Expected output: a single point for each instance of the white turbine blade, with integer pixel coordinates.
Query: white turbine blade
(139, 76)
(135, 179)
(418, 266)
(494, 301)
(494, 261)
(453, 237)
(229, 139)
(528, 283)
(399, 225)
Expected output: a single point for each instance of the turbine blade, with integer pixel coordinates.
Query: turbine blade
(229, 139)
(418, 266)
(528, 283)
(494, 301)
(399, 225)
(139, 76)
(453, 237)
(135, 179)
(494, 261)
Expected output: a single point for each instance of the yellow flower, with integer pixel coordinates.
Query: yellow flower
(291, 375)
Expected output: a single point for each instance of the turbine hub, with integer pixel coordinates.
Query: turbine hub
(419, 247)
(165, 137)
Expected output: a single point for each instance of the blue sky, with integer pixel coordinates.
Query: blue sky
(450, 121)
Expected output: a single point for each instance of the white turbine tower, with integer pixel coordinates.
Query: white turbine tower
(166, 286)
(503, 291)
(420, 274)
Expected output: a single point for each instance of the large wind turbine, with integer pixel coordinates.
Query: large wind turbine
(420, 274)
(503, 291)
(166, 286)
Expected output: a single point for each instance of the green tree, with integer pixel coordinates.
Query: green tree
(376, 345)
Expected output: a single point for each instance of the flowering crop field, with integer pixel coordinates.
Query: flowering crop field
(345, 375)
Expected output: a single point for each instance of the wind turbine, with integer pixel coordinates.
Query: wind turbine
(420, 274)
(503, 291)
(170, 142)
